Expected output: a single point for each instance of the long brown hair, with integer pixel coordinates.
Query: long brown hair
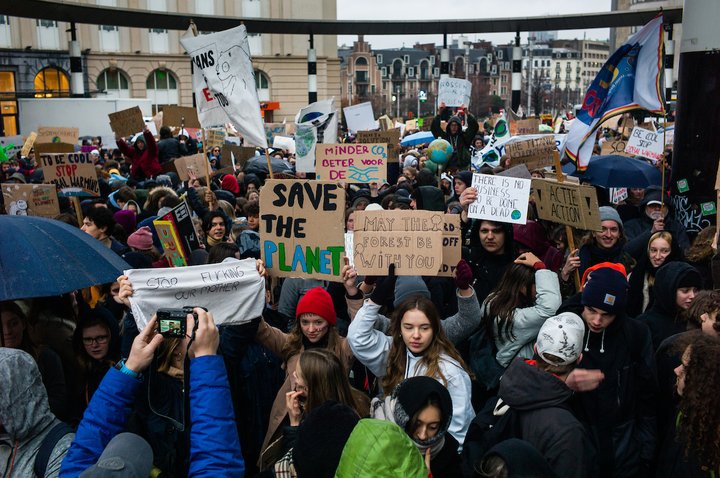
(701, 248)
(512, 292)
(397, 360)
(294, 344)
(326, 379)
(699, 420)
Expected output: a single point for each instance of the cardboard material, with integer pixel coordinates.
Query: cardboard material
(197, 163)
(57, 134)
(645, 143)
(238, 155)
(452, 245)
(215, 137)
(411, 125)
(454, 92)
(520, 171)
(127, 122)
(500, 199)
(360, 117)
(574, 205)
(616, 146)
(353, 163)
(391, 137)
(74, 174)
(30, 200)
(535, 152)
(413, 242)
(180, 116)
(385, 123)
(28, 144)
(523, 127)
(172, 247)
(52, 148)
(302, 228)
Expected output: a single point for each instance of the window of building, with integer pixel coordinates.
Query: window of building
(361, 61)
(262, 85)
(48, 34)
(113, 83)
(424, 70)
(406, 59)
(361, 76)
(205, 7)
(158, 37)
(397, 68)
(379, 58)
(51, 82)
(109, 34)
(8, 107)
(162, 89)
(411, 71)
(253, 9)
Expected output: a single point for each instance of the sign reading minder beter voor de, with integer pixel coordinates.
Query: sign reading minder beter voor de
(353, 163)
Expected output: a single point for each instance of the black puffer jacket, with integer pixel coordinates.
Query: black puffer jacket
(637, 231)
(663, 316)
(621, 413)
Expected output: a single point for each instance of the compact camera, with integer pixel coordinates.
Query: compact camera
(173, 322)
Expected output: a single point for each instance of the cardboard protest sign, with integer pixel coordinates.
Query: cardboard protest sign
(274, 129)
(215, 138)
(170, 242)
(52, 148)
(237, 155)
(197, 163)
(519, 171)
(566, 203)
(391, 137)
(349, 247)
(302, 228)
(284, 142)
(30, 200)
(454, 92)
(452, 247)
(523, 127)
(180, 117)
(127, 122)
(184, 227)
(618, 195)
(28, 144)
(645, 143)
(316, 123)
(232, 290)
(500, 198)
(360, 117)
(74, 174)
(411, 125)
(53, 134)
(535, 152)
(615, 146)
(410, 241)
(354, 163)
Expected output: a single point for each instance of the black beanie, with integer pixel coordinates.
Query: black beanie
(321, 438)
(606, 289)
(691, 278)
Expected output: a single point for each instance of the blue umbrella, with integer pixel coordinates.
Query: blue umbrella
(42, 257)
(417, 138)
(615, 171)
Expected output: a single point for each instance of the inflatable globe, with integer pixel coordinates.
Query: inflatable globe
(432, 166)
(439, 151)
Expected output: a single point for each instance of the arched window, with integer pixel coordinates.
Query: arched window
(51, 82)
(361, 61)
(113, 83)
(162, 89)
(459, 67)
(424, 70)
(262, 85)
(397, 68)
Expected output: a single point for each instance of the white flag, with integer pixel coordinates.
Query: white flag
(224, 83)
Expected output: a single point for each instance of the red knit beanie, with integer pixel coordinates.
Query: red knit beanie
(229, 183)
(317, 301)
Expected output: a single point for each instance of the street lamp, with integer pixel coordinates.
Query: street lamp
(577, 84)
(568, 69)
(396, 98)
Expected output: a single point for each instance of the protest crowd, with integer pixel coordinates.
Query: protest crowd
(455, 330)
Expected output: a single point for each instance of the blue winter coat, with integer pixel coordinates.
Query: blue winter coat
(214, 443)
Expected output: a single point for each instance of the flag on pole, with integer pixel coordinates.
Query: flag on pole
(631, 79)
(224, 83)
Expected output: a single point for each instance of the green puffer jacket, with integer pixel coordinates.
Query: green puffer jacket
(380, 449)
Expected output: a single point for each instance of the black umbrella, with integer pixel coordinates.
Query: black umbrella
(42, 257)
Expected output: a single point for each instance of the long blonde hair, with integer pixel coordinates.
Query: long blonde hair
(397, 360)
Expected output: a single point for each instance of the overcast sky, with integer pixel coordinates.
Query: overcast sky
(459, 10)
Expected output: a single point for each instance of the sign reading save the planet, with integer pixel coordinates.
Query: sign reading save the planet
(500, 198)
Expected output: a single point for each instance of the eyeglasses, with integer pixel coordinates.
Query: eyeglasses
(100, 340)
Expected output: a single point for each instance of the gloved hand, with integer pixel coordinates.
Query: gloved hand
(385, 289)
(463, 275)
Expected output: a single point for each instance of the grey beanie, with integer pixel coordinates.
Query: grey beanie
(608, 213)
(408, 286)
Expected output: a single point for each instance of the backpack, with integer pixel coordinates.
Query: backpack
(48, 445)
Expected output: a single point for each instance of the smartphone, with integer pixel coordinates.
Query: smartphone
(172, 322)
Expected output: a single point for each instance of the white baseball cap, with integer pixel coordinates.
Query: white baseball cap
(562, 337)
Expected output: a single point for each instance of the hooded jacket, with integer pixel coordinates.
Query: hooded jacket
(640, 291)
(26, 417)
(460, 142)
(663, 316)
(380, 449)
(545, 419)
(372, 348)
(532, 236)
(144, 164)
(637, 231)
(429, 198)
(488, 268)
(620, 414)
